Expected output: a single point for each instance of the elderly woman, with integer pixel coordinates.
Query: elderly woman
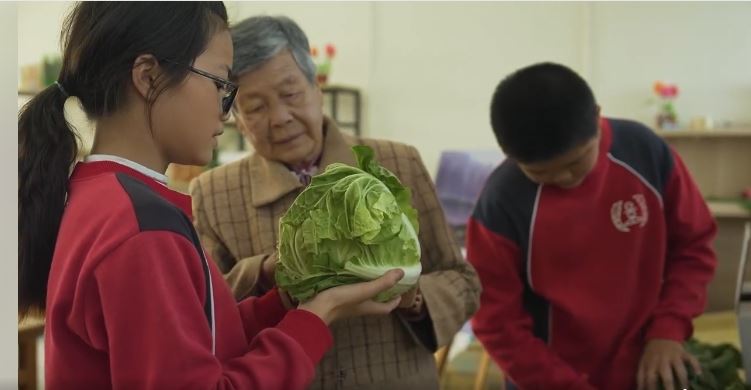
(237, 209)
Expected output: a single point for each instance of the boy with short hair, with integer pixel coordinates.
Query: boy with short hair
(592, 243)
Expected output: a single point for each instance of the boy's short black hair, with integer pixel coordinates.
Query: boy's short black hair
(542, 111)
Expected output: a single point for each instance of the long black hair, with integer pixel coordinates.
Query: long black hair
(101, 41)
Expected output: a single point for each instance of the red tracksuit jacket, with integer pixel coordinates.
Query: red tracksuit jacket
(133, 303)
(576, 281)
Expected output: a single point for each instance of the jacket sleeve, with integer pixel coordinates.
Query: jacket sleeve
(502, 324)
(150, 291)
(262, 312)
(241, 274)
(449, 284)
(690, 262)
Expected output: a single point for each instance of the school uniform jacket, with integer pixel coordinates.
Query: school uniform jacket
(576, 281)
(133, 302)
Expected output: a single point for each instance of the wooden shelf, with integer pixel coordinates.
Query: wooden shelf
(334, 94)
(339, 88)
(728, 209)
(712, 133)
(31, 323)
(29, 333)
(24, 92)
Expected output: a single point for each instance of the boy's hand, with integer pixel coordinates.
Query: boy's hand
(660, 360)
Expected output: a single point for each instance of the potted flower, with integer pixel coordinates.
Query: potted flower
(666, 116)
(323, 66)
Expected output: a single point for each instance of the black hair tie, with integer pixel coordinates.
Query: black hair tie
(60, 87)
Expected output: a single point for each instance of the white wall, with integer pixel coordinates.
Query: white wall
(348, 25)
(39, 25)
(704, 47)
(427, 70)
(8, 208)
(436, 66)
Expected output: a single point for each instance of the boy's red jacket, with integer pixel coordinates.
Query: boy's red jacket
(576, 281)
(134, 303)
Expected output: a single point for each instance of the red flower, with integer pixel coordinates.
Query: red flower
(665, 90)
(658, 87)
(330, 50)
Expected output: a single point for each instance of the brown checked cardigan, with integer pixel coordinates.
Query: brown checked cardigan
(237, 209)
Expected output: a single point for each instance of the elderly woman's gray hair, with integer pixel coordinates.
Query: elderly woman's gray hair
(259, 38)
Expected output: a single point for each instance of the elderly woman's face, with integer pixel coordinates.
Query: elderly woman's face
(280, 111)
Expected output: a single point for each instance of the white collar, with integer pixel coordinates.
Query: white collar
(130, 164)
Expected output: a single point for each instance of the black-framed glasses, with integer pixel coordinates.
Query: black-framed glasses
(229, 88)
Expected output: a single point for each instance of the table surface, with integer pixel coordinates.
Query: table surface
(717, 327)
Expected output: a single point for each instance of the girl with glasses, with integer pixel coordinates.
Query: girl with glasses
(108, 252)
